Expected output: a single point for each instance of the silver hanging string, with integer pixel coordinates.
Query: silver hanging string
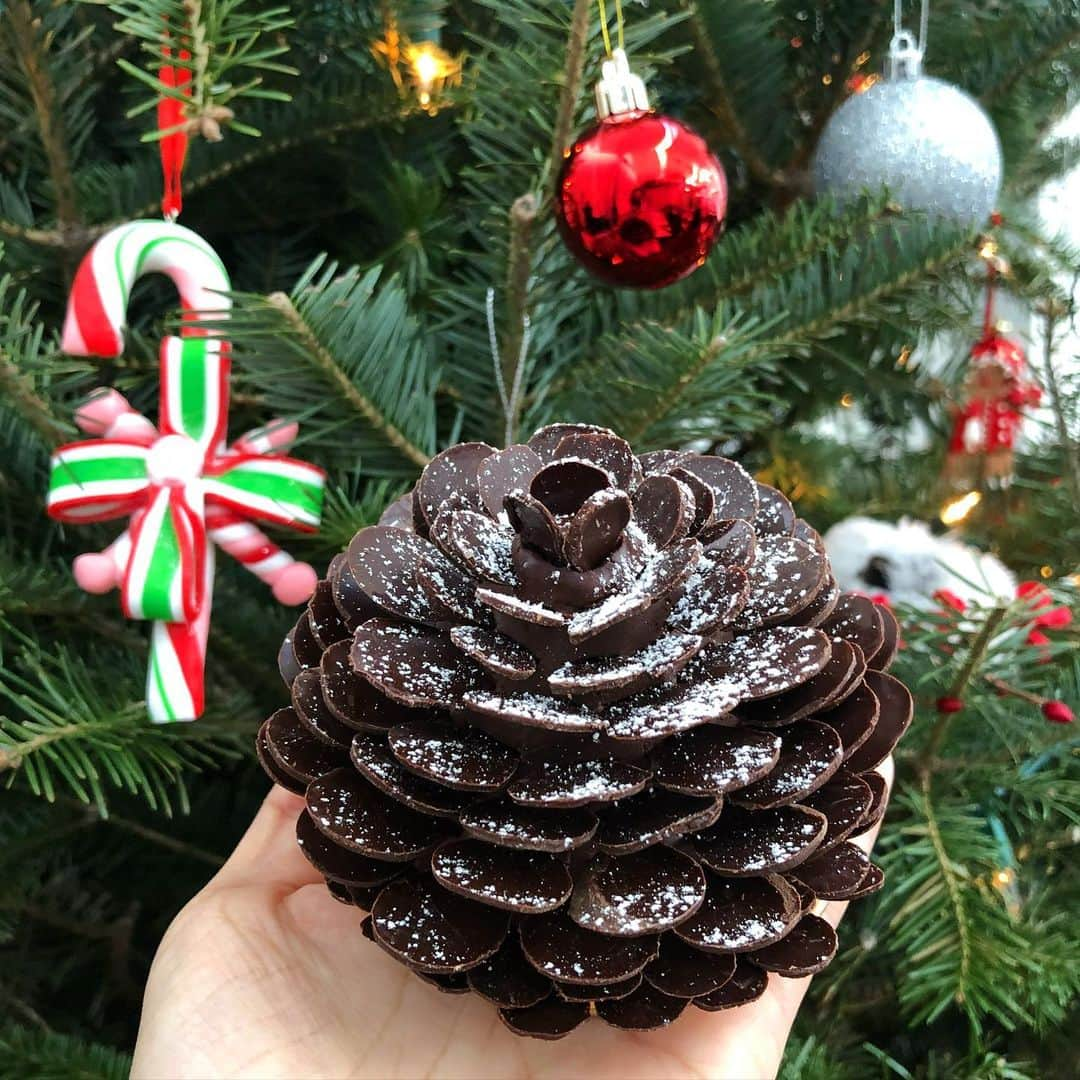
(493, 345)
(924, 22)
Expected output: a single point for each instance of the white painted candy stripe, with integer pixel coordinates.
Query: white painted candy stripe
(271, 566)
(142, 555)
(273, 509)
(94, 451)
(290, 469)
(103, 490)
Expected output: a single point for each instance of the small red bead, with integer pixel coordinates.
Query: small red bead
(1058, 712)
(948, 599)
(949, 705)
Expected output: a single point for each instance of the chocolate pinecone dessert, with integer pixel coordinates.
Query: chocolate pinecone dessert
(589, 734)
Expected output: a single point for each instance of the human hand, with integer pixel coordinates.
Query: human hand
(264, 974)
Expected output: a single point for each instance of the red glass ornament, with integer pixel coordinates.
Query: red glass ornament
(640, 200)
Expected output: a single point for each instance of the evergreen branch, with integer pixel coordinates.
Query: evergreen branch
(324, 363)
(518, 273)
(164, 840)
(573, 73)
(31, 50)
(45, 1055)
(1051, 313)
(722, 106)
(17, 388)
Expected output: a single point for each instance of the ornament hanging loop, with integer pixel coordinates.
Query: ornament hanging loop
(619, 90)
(905, 56)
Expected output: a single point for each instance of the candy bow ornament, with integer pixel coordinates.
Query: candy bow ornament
(183, 488)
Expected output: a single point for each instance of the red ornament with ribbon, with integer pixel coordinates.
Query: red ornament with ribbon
(998, 388)
(183, 487)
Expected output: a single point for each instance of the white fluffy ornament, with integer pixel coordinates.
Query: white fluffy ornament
(925, 140)
(909, 564)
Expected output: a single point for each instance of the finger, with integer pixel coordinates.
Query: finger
(268, 853)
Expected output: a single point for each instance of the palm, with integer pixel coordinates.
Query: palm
(265, 974)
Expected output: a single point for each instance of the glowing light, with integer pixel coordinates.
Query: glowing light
(861, 59)
(432, 68)
(955, 510)
(1003, 878)
(988, 249)
(905, 355)
(826, 80)
(1046, 571)
(847, 400)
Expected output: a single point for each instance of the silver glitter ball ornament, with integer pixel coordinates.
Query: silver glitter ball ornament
(925, 140)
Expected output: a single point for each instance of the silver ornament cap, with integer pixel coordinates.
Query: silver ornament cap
(619, 90)
(927, 141)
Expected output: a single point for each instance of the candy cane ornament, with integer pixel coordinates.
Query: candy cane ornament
(182, 487)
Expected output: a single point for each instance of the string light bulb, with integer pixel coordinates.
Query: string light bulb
(847, 400)
(956, 510)
(432, 69)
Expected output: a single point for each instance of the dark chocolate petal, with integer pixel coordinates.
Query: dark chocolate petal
(288, 667)
(856, 619)
(814, 695)
(306, 650)
(362, 896)
(603, 992)
(821, 607)
(894, 719)
(383, 561)
(596, 528)
(605, 449)
(508, 979)
(337, 863)
(432, 930)
(746, 985)
(731, 543)
(883, 658)
(352, 603)
(835, 873)
(767, 662)
(713, 760)
(844, 800)
(340, 893)
(667, 710)
(445, 984)
(371, 756)
(704, 499)
(551, 1019)
(563, 950)
(351, 698)
(352, 813)
(810, 754)
(463, 758)
(554, 782)
(592, 675)
(775, 516)
(644, 1010)
(534, 710)
(312, 712)
(748, 843)
(685, 972)
(651, 817)
(413, 666)
(712, 598)
(399, 514)
(734, 489)
(296, 751)
(535, 524)
(742, 914)
(324, 619)
(546, 441)
(449, 474)
(494, 651)
(483, 546)
(530, 611)
(854, 719)
(785, 577)
(563, 486)
(661, 575)
(450, 588)
(808, 534)
(644, 893)
(879, 799)
(659, 461)
(805, 951)
(663, 509)
(272, 769)
(526, 827)
(528, 882)
(874, 880)
(504, 472)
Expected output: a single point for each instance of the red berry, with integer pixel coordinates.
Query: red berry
(949, 704)
(948, 599)
(1058, 712)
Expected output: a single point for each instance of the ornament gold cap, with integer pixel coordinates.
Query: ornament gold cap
(619, 90)
(905, 57)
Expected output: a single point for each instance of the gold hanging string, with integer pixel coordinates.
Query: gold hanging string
(620, 37)
(603, 26)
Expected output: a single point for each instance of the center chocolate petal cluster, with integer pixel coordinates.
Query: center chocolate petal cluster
(589, 733)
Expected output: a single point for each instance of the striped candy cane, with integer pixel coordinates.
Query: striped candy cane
(183, 488)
